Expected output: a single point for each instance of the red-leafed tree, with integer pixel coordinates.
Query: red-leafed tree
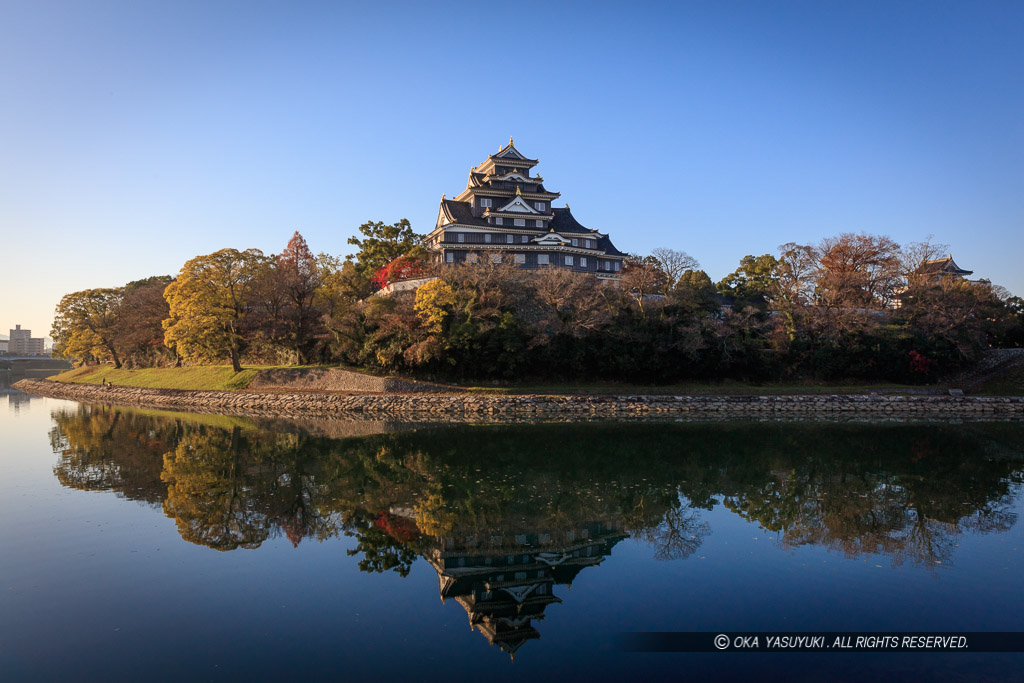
(401, 268)
(298, 278)
(399, 528)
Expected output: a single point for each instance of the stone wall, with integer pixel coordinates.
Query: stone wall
(486, 408)
(336, 379)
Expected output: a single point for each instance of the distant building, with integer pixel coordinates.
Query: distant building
(935, 270)
(505, 213)
(22, 343)
(943, 267)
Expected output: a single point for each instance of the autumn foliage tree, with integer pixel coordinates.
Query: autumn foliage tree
(210, 306)
(119, 324)
(139, 327)
(401, 268)
(299, 278)
(852, 306)
(85, 325)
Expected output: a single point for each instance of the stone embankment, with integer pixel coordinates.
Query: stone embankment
(444, 407)
(337, 379)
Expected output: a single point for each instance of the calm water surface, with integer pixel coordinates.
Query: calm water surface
(147, 545)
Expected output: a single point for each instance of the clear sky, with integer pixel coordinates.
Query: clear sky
(135, 135)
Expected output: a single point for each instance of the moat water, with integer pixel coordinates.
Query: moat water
(155, 545)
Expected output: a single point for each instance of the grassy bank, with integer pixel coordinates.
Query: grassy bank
(1008, 383)
(221, 378)
(208, 377)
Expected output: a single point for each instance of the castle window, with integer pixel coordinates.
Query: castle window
(540, 224)
(487, 238)
(497, 221)
(520, 222)
(485, 202)
(449, 257)
(525, 238)
(575, 242)
(539, 206)
(542, 259)
(583, 261)
(509, 239)
(569, 260)
(462, 237)
(617, 265)
(520, 259)
(607, 265)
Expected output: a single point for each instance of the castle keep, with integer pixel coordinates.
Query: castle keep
(506, 214)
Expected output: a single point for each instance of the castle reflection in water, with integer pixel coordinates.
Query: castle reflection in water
(508, 516)
(506, 581)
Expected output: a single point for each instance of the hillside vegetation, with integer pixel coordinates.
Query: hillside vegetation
(850, 309)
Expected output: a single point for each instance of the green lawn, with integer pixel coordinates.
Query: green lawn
(212, 377)
(221, 378)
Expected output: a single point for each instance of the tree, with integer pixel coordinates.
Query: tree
(383, 243)
(469, 319)
(955, 316)
(795, 283)
(401, 268)
(673, 263)
(210, 305)
(341, 284)
(84, 324)
(695, 291)
(914, 256)
(300, 277)
(643, 278)
(566, 303)
(139, 329)
(859, 271)
(753, 283)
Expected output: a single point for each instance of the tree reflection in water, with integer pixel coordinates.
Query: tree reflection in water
(504, 514)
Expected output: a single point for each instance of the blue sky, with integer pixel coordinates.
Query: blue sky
(135, 135)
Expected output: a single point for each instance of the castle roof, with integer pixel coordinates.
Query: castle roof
(462, 213)
(941, 266)
(525, 192)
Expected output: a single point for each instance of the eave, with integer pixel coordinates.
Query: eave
(490, 192)
(514, 214)
(523, 161)
(463, 246)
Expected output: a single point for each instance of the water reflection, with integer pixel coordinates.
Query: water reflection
(505, 581)
(506, 515)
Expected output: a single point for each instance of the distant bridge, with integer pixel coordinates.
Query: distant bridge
(22, 363)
